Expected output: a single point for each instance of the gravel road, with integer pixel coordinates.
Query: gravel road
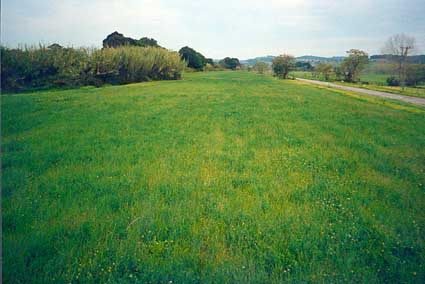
(407, 99)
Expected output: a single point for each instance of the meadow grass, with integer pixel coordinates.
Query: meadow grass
(374, 78)
(376, 82)
(222, 177)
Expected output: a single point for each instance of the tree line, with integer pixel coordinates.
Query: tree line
(194, 59)
(122, 60)
(408, 70)
(116, 39)
(125, 60)
(349, 69)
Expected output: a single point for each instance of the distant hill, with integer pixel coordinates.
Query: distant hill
(312, 58)
(252, 61)
(418, 59)
(305, 58)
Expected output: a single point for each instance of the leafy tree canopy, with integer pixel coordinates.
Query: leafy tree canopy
(145, 41)
(354, 64)
(302, 65)
(230, 63)
(116, 39)
(282, 64)
(325, 69)
(194, 59)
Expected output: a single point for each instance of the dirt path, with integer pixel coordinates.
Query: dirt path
(407, 99)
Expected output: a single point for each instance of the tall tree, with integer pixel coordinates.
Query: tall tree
(282, 64)
(400, 46)
(354, 64)
(193, 58)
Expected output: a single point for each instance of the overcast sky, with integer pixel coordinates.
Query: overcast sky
(218, 28)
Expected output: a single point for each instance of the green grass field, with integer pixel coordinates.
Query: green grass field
(222, 177)
(374, 78)
(375, 81)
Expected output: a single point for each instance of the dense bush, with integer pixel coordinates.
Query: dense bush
(194, 59)
(303, 66)
(261, 67)
(116, 39)
(393, 81)
(37, 67)
(135, 64)
(145, 42)
(339, 74)
(230, 63)
(325, 69)
(209, 67)
(415, 74)
(55, 67)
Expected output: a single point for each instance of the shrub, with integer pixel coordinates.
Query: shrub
(338, 72)
(42, 67)
(415, 74)
(303, 66)
(56, 67)
(393, 81)
(209, 67)
(145, 41)
(230, 63)
(131, 64)
(261, 67)
(325, 69)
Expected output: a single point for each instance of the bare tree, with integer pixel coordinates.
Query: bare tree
(400, 46)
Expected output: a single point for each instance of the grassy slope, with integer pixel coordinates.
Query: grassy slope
(376, 82)
(223, 177)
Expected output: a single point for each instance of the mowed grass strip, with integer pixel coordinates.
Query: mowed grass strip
(223, 177)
